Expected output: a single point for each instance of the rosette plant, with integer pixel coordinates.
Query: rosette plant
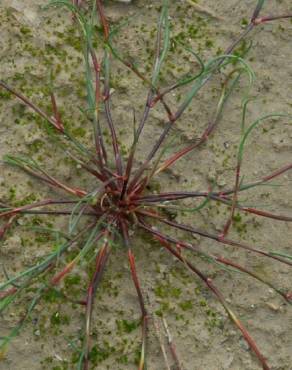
(123, 201)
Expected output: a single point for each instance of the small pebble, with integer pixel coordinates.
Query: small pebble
(273, 306)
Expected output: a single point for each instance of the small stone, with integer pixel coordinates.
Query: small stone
(58, 357)
(273, 306)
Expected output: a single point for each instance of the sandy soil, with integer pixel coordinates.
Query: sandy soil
(34, 42)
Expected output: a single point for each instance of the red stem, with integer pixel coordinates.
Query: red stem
(142, 307)
(104, 22)
(217, 238)
(34, 205)
(56, 112)
(7, 226)
(100, 265)
(260, 20)
(135, 279)
(211, 286)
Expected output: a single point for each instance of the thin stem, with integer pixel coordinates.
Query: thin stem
(7, 226)
(56, 112)
(99, 145)
(131, 258)
(100, 265)
(219, 296)
(32, 167)
(171, 345)
(220, 196)
(204, 80)
(117, 154)
(210, 128)
(37, 269)
(94, 237)
(215, 237)
(57, 213)
(41, 203)
(105, 25)
(161, 50)
(213, 258)
(103, 19)
(158, 333)
(29, 103)
(261, 20)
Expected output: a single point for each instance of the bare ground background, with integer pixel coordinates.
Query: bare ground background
(34, 42)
